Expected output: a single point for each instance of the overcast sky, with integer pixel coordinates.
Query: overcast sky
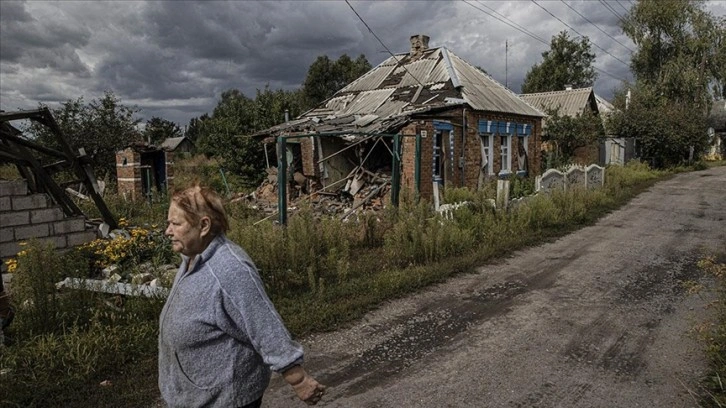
(173, 59)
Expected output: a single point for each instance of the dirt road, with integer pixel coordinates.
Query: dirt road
(598, 318)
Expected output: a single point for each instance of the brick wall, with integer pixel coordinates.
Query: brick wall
(26, 216)
(468, 176)
(128, 173)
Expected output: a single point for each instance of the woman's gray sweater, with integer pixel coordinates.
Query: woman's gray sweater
(219, 333)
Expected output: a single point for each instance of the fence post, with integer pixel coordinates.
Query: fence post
(396, 170)
(282, 179)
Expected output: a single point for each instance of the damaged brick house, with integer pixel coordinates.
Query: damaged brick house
(459, 126)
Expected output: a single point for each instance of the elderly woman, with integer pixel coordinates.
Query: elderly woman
(219, 333)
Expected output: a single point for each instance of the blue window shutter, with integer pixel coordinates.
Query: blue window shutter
(488, 126)
(440, 125)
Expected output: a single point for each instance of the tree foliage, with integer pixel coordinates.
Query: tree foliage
(225, 134)
(157, 130)
(680, 49)
(567, 62)
(100, 127)
(678, 63)
(195, 129)
(664, 131)
(568, 133)
(325, 77)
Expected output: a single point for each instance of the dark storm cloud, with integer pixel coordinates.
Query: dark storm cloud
(27, 41)
(173, 59)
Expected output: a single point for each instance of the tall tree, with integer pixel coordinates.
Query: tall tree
(667, 134)
(195, 129)
(100, 127)
(678, 63)
(224, 136)
(680, 48)
(272, 107)
(157, 130)
(567, 62)
(326, 77)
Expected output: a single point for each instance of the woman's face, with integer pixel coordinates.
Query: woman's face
(186, 238)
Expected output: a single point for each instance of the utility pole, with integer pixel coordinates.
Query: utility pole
(506, 63)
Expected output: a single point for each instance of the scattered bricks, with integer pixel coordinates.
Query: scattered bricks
(69, 225)
(31, 231)
(6, 234)
(46, 215)
(5, 204)
(14, 218)
(79, 238)
(9, 249)
(13, 188)
(30, 202)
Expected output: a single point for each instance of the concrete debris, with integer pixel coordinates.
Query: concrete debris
(109, 270)
(361, 191)
(116, 288)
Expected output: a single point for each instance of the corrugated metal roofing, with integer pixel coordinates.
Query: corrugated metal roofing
(399, 86)
(570, 102)
(172, 143)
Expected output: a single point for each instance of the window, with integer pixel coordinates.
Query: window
(506, 147)
(487, 158)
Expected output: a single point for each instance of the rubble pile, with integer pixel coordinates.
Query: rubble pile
(362, 190)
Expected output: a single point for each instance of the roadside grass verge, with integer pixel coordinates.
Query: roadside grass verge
(321, 274)
(713, 335)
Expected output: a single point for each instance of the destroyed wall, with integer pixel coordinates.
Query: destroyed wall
(26, 216)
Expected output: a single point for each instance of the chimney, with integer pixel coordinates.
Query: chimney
(419, 44)
(568, 87)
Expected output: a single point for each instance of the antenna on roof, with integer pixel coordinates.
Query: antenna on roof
(506, 63)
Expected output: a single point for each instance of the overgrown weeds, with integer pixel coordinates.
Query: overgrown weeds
(713, 334)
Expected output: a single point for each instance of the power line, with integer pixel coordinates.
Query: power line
(595, 25)
(381, 42)
(524, 31)
(503, 18)
(610, 9)
(623, 7)
(578, 33)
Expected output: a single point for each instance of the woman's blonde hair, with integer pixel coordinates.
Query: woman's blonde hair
(198, 201)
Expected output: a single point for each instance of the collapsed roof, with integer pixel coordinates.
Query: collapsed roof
(423, 80)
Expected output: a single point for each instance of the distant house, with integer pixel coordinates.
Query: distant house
(459, 126)
(717, 131)
(181, 144)
(573, 103)
(614, 149)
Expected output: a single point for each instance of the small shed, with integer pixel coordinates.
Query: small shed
(142, 169)
(181, 144)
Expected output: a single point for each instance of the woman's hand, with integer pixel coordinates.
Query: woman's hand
(306, 387)
(309, 390)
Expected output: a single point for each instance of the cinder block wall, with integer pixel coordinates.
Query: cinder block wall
(26, 216)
